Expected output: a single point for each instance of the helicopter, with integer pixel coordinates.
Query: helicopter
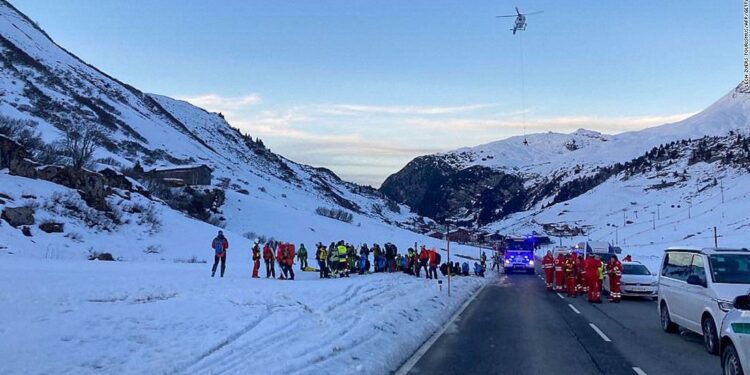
(520, 20)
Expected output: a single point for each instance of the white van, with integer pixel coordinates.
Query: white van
(697, 288)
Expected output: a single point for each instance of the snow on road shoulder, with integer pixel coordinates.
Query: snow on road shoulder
(128, 317)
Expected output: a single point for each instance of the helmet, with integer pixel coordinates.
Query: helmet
(257, 241)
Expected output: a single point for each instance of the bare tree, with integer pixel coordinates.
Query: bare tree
(81, 141)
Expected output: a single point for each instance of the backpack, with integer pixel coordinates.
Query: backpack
(218, 246)
(437, 257)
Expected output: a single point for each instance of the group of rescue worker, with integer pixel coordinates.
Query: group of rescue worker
(340, 259)
(572, 274)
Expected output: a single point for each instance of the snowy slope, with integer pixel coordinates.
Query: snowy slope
(552, 167)
(676, 204)
(548, 152)
(45, 83)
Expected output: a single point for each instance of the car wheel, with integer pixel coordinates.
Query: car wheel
(710, 336)
(666, 322)
(730, 361)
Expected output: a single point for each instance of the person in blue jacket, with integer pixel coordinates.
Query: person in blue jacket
(465, 269)
(478, 269)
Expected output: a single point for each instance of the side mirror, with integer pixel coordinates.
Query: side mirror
(742, 302)
(695, 280)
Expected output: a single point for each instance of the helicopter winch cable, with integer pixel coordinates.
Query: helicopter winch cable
(523, 90)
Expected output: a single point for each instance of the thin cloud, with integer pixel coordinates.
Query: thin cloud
(605, 124)
(218, 103)
(355, 109)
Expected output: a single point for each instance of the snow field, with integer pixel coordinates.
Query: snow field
(68, 316)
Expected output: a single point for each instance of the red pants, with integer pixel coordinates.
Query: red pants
(559, 281)
(549, 277)
(256, 267)
(581, 284)
(594, 285)
(614, 288)
(571, 286)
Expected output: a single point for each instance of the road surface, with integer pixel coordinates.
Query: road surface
(514, 326)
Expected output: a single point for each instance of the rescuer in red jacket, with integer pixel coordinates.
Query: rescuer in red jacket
(614, 270)
(548, 265)
(580, 273)
(593, 266)
(560, 272)
(570, 275)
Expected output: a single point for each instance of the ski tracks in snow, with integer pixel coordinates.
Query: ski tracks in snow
(348, 325)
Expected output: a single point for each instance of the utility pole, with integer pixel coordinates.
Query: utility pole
(690, 206)
(721, 186)
(658, 211)
(448, 239)
(617, 236)
(716, 238)
(653, 219)
(624, 219)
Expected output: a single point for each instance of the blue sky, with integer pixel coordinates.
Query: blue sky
(362, 87)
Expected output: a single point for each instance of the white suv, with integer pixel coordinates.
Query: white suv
(697, 288)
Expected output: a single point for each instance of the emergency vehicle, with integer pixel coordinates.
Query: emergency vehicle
(519, 254)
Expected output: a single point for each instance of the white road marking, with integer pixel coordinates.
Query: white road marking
(560, 295)
(599, 331)
(409, 364)
(639, 371)
(574, 309)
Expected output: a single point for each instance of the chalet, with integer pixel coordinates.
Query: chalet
(437, 235)
(461, 235)
(190, 175)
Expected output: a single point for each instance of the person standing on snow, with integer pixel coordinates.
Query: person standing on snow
(268, 258)
(321, 255)
(559, 272)
(343, 262)
(220, 246)
(433, 260)
(424, 256)
(548, 265)
(614, 270)
(302, 257)
(287, 260)
(256, 258)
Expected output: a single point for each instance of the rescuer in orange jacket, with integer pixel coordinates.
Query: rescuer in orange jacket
(559, 272)
(548, 265)
(592, 266)
(614, 270)
(570, 275)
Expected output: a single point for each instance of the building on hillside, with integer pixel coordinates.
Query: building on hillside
(438, 235)
(461, 235)
(190, 175)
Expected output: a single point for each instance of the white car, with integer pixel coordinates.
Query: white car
(735, 338)
(636, 281)
(697, 288)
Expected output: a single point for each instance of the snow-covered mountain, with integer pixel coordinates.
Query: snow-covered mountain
(52, 89)
(493, 185)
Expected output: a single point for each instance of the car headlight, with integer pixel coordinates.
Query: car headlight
(507, 261)
(725, 306)
(531, 262)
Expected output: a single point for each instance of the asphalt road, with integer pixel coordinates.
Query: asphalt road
(514, 326)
